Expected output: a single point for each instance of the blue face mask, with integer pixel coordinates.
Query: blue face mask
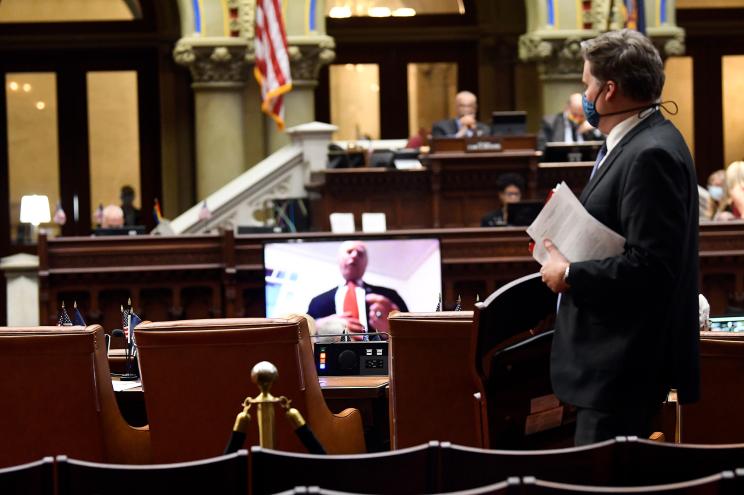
(716, 192)
(590, 109)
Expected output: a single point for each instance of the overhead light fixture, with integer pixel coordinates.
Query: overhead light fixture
(404, 12)
(13, 86)
(379, 12)
(340, 12)
(26, 87)
(40, 105)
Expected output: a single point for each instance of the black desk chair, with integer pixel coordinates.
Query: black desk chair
(404, 471)
(226, 474)
(34, 478)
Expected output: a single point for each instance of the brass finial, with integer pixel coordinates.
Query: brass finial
(121, 308)
(477, 298)
(264, 374)
(129, 302)
(74, 304)
(63, 305)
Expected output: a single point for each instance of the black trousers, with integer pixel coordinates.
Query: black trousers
(593, 425)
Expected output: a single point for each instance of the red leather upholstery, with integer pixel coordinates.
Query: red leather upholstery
(196, 374)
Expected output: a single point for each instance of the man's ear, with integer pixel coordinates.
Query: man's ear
(611, 91)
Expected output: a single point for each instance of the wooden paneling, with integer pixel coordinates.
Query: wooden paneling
(207, 276)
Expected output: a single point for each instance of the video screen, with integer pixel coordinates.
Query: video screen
(407, 270)
(727, 324)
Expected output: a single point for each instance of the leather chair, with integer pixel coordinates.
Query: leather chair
(57, 398)
(434, 391)
(226, 474)
(404, 471)
(513, 336)
(716, 484)
(196, 374)
(463, 468)
(34, 478)
(717, 416)
(644, 462)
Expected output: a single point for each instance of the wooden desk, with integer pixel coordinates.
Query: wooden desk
(455, 189)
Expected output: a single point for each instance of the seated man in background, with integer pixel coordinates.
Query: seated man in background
(466, 123)
(569, 126)
(510, 187)
(113, 217)
(354, 306)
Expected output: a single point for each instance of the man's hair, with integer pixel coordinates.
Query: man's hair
(509, 179)
(628, 58)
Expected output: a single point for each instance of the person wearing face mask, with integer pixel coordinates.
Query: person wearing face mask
(714, 200)
(466, 123)
(569, 126)
(627, 325)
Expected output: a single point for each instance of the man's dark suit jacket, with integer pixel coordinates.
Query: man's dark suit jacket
(627, 328)
(324, 304)
(553, 128)
(448, 128)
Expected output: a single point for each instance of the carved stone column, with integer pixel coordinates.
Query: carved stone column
(307, 54)
(219, 70)
(556, 29)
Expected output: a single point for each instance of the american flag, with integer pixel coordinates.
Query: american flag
(272, 60)
(63, 319)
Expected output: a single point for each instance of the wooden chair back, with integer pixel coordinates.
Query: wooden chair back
(196, 375)
(434, 391)
(716, 417)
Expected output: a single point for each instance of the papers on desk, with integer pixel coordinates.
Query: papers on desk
(576, 234)
(121, 386)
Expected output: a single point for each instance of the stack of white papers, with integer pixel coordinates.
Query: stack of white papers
(577, 235)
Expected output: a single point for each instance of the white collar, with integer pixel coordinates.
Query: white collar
(618, 132)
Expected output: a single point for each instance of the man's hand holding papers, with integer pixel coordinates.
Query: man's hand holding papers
(564, 232)
(554, 270)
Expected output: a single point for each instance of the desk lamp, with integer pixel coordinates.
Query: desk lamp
(35, 210)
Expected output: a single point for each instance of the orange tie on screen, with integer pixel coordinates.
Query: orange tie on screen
(350, 304)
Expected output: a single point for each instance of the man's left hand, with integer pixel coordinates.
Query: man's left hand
(379, 308)
(554, 269)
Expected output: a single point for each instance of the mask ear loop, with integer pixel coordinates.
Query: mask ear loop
(667, 110)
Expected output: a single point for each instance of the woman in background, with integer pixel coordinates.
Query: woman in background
(735, 188)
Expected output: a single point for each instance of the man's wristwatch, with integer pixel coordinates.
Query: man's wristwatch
(565, 274)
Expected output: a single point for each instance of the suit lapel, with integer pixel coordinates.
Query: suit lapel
(616, 151)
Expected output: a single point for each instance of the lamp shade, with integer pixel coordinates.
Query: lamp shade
(35, 209)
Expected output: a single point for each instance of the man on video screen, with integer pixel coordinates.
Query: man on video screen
(355, 306)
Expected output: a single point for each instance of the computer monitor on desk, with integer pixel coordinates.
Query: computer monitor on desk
(508, 123)
(128, 230)
(524, 212)
(571, 152)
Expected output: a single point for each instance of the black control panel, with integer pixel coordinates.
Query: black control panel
(351, 358)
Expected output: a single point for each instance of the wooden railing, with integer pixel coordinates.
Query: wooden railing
(198, 276)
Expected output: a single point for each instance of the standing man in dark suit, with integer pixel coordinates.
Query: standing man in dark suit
(627, 325)
(359, 306)
(466, 123)
(569, 126)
